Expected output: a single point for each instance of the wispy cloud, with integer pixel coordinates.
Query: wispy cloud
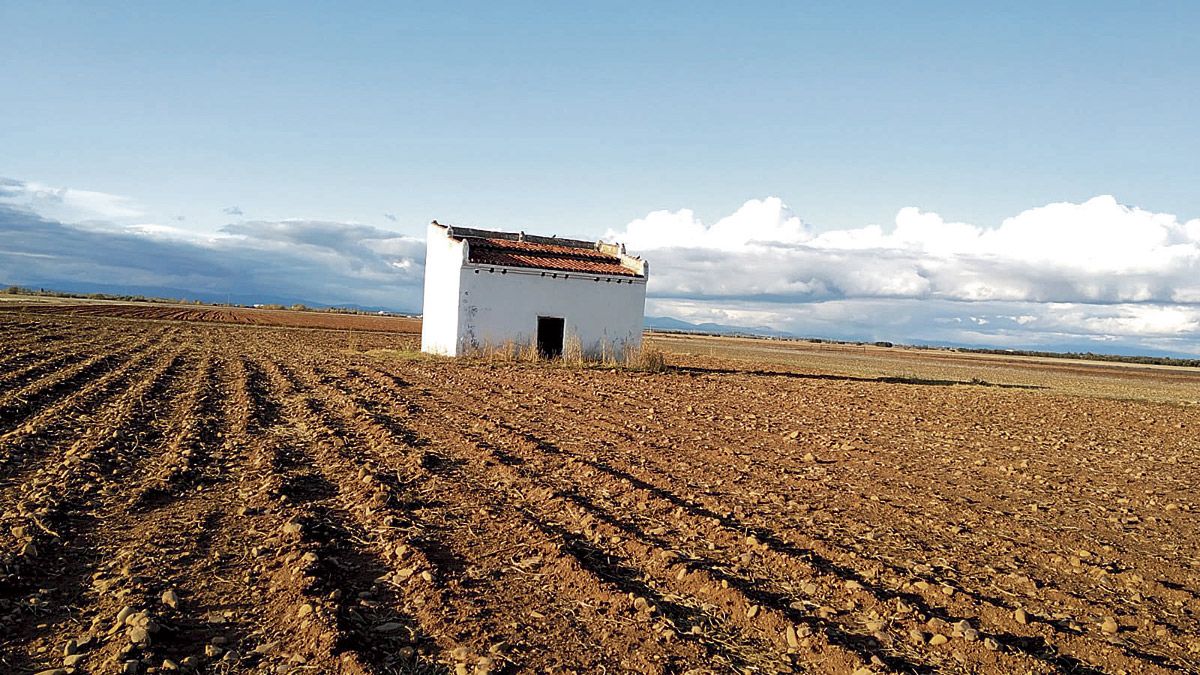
(67, 204)
(232, 211)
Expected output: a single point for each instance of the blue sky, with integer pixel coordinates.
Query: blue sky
(584, 118)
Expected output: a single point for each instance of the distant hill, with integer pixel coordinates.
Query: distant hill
(190, 295)
(672, 324)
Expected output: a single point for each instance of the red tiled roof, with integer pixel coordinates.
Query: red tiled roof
(534, 255)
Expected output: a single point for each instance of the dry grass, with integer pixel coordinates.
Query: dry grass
(573, 351)
(643, 358)
(639, 358)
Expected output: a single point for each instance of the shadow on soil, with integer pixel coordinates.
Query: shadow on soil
(615, 570)
(865, 646)
(608, 565)
(376, 630)
(697, 370)
(1034, 647)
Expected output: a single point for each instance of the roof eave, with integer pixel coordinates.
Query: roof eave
(526, 270)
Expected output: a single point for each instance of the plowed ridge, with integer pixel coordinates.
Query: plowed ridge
(221, 498)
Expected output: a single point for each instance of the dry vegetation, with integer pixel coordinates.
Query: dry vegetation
(1123, 381)
(646, 358)
(227, 499)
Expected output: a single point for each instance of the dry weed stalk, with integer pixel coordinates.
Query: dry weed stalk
(608, 356)
(529, 352)
(573, 351)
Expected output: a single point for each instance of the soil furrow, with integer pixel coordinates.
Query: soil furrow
(20, 408)
(344, 521)
(222, 498)
(32, 358)
(677, 566)
(71, 416)
(626, 570)
(192, 445)
(992, 610)
(946, 612)
(57, 534)
(599, 597)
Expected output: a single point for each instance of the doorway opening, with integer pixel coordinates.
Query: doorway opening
(550, 336)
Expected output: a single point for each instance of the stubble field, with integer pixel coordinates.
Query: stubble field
(186, 496)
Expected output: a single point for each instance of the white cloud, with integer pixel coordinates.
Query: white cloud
(1061, 276)
(66, 204)
(156, 230)
(1132, 320)
(1091, 271)
(1051, 326)
(758, 223)
(1097, 251)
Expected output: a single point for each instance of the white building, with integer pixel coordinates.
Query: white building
(485, 289)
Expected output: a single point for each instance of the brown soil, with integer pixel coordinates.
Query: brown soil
(235, 315)
(256, 500)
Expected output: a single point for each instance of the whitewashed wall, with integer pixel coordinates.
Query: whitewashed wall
(470, 307)
(439, 315)
(496, 307)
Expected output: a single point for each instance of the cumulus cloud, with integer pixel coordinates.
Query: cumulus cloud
(1093, 271)
(297, 260)
(1097, 251)
(1050, 326)
(758, 223)
(232, 211)
(1096, 275)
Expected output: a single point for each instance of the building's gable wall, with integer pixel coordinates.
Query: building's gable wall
(440, 315)
(496, 307)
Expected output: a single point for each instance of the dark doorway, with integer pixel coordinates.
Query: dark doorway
(550, 336)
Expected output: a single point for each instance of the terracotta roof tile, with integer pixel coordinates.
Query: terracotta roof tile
(540, 256)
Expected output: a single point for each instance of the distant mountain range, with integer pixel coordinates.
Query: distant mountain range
(672, 324)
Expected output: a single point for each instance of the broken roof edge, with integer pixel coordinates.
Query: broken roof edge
(470, 232)
(634, 264)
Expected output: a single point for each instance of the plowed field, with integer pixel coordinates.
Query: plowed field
(236, 315)
(226, 499)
